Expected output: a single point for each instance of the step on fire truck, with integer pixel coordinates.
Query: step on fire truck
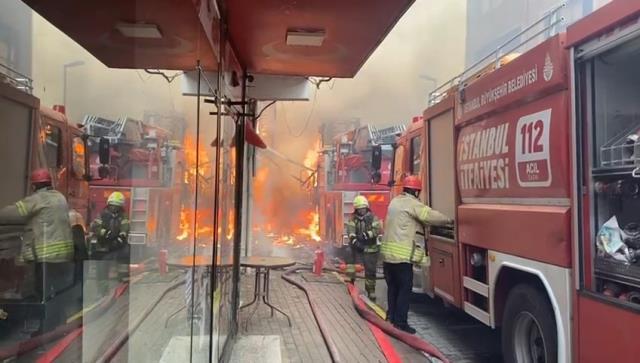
(346, 169)
(539, 161)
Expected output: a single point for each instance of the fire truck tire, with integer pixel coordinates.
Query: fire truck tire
(529, 332)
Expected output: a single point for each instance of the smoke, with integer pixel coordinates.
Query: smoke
(392, 87)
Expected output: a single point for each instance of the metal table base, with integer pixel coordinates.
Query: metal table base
(261, 290)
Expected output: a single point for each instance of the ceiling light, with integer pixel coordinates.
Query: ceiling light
(309, 38)
(138, 30)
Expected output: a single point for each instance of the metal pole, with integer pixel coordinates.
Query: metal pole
(64, 80)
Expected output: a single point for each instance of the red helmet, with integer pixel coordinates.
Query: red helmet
(412, 182)
(40, 176)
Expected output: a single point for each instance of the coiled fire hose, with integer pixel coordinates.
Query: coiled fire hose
(411, 340)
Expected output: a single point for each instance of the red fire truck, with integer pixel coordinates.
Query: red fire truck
(539, 160)
(345, 170)
(33, 136)
(144, 166)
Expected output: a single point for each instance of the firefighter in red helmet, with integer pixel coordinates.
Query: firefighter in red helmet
(406, 216)
(47, 241)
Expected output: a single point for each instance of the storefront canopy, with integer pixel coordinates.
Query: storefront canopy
(331, 38)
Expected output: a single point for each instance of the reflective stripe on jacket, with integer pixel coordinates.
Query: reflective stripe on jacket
(406, 216)
(48, 235)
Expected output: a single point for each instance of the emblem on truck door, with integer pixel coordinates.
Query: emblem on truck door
(532, 150)
(547, 71)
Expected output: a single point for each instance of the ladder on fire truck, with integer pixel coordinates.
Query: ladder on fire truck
(543, 28)
(387, 135)
(124, 130)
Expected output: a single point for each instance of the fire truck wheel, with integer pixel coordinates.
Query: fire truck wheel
(529, 327)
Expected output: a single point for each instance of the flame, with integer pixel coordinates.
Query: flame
(284, 211)
(231, 224)
(198, 167)
(184, 225)
(311, 162)
(313, 229)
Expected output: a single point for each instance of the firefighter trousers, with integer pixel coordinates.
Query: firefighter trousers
(399, 278)
(370, 261)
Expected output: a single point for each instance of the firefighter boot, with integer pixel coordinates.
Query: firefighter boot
(351, 272)
(370, 287)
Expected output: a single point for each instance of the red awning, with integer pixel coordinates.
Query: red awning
(170, 34)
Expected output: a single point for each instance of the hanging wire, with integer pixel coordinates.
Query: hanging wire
(307, 122)
(264, 109)
(164, 75)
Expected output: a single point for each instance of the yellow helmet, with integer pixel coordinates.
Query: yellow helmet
(360, 202)
(116, 198)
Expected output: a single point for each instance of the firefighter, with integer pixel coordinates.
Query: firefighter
(47, 242)
(406, 215)
(363, 228)
(111, 231)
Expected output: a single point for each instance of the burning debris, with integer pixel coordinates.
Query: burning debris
(284, 212)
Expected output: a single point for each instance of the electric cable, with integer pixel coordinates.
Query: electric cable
(307, 122)
(264, 109)
(164, 75)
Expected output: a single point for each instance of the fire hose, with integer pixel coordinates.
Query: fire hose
(324, 331)
(113, 349)
(28, 345)
(411, 340)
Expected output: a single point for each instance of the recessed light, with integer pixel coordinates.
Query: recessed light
(139, 30)
(308, 38)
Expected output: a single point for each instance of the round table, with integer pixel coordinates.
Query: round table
(263, 266)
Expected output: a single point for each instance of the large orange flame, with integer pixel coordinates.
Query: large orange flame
(197, 168)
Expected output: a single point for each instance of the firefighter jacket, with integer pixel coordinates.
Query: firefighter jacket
(48, 235)
(406, 216)
(111, 229)
(358, 227)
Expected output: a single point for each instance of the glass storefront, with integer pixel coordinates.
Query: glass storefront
(146, 159)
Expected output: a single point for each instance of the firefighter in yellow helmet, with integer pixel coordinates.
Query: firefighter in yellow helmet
(406, 215)
(47, 247)
(363, 229)
(111, 234)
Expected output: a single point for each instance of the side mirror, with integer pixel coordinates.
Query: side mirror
(376, 157)
(104, 151)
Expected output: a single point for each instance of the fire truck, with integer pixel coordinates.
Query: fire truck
(538, 160)
(33, 136)
(144, 166)
(357, 162)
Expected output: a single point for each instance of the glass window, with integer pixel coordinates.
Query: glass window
(416, 152)
(52, 146)
(399, 165)
(78, 157)
(147, 263)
